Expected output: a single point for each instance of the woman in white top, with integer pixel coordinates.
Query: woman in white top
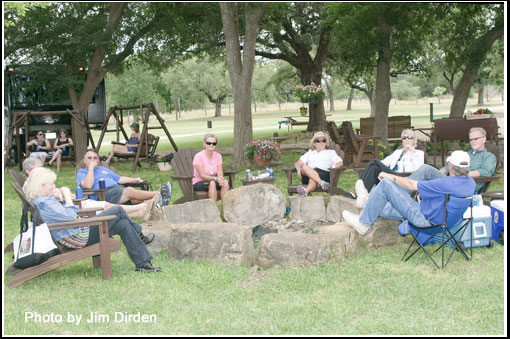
(405, 159)
(313, 166)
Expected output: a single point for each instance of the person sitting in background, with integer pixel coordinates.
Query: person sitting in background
(40, 191)
(313, 167)
(390, 198)
(29, 164)
(405, 159)
(131, 145)
(208, 170)
(482, 162)
(134, 211)
(61, 146)
(42, 147)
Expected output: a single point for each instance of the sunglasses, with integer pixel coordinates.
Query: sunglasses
(40, 134)
(474, 139)
(406, 137)
(211, 143)
(320, 140)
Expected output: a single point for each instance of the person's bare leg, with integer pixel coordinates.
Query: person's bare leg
(315, 179)
(116, 149)
(133, 211)
(43, 160)
(136, 196)
(223, 191)
(55, 156)
(59, 161)
(213, 192)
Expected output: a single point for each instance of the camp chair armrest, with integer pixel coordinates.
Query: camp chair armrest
(89, 211)
(52, 226)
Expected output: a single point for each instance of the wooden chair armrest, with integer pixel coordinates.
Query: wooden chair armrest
(52, 226)
(144, 185)
(180, 177)
(486, 179)
(117, 143)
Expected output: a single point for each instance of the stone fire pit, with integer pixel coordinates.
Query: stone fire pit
(257, 233)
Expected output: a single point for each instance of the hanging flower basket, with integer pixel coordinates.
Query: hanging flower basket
(310, 93)
(303, 110)
(313, 100)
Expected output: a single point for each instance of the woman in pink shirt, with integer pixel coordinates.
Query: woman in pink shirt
(208, 170)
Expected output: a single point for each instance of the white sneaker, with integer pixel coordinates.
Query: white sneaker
(360, 187)
(361, 193)
(324, 185)
(353, 220)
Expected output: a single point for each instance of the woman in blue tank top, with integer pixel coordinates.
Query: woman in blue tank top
(131, 145)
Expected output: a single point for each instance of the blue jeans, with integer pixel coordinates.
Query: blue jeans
(424, 173)
(129, 232)
(390, 201)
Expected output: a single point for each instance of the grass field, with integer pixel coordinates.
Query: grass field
(370, 293)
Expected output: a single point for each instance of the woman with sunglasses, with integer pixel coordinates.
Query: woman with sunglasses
(313, 167)
(62, 147)
(208, 170)
(42, 146)
(405, 159)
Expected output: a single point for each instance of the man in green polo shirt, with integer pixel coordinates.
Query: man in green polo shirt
(482, 162)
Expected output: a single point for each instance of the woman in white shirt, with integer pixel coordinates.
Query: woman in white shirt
(405, 159)
(313, 166)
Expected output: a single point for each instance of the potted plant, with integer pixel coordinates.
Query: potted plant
(262, 152)
(310, 93)
(481, 113)
(303, 111)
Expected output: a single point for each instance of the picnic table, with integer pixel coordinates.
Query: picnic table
(290, 121)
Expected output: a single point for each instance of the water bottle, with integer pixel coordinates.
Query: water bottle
(271, 172)
(79, 192)
(267, 170)
(248, 175)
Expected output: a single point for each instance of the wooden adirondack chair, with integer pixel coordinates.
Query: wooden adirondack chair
(357, 146)
(17, 177)
(99, 252)
(182, 164)
(334, 176)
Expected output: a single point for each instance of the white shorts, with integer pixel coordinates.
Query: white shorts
(89, 203)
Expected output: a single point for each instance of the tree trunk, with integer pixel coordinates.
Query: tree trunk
(481, 88)
(331, 100)
(476, 57)
(382, 85)
(349, 100)
(240, 69)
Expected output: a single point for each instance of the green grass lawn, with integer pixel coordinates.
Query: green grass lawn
(371, 292)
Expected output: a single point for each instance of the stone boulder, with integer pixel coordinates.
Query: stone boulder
(304, 249)
(383, 232)
(254, 204)
(339, 203)
(222, 242)
(307, 208)
(161, 230)
(198, 211)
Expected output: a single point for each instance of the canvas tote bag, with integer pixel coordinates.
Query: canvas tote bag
(34, 244)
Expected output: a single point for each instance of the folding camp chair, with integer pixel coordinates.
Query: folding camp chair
(443, 234)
